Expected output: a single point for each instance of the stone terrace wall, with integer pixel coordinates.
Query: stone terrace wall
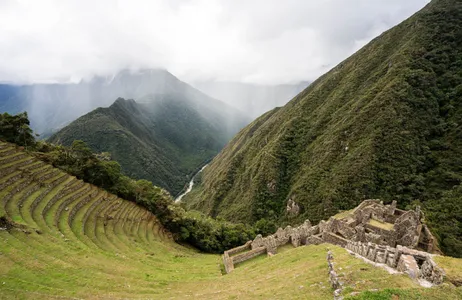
(296, 236)
(333, 277)
(240, 254)
(416, 264)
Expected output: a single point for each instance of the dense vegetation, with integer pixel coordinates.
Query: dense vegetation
(160, 138)
(385, 123)
(194, 228)
(62, 238)
(16, 129)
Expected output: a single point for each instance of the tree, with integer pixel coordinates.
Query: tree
(15, 129)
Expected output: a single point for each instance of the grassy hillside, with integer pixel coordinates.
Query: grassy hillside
(62, 238)
(161, 138)
(386, 123)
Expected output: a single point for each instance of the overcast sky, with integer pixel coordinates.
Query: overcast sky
(257, 41)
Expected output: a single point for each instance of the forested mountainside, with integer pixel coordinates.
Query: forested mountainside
(53, 106)
(62, 235)
(163, 138)
(386, 123)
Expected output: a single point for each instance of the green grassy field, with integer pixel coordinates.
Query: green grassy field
(74, 241)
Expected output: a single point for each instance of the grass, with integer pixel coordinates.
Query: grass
(452, 267)
(379, 224)
(172, 272)
(127, 256)
(343, 214)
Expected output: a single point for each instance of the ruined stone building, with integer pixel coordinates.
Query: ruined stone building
(371, 223)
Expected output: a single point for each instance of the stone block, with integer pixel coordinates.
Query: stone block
(408, 265)
(248, 255)
(314, 240)
(431, 272)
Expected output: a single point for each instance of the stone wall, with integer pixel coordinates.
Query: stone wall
(333, 277)
(239, 249)
(240, 254)
(332, 238)
(417, 264)
(248, 255)
(296, 236)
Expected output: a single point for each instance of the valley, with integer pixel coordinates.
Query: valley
(260, 178)
(89, 244)
(190, 185)
(383, 124)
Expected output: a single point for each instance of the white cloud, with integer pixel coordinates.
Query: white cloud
(260, 41)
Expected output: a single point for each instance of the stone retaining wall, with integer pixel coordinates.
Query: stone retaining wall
(77, 207)
(15, 190)
(333, 277)
(68, 201)
(248, 255)
(69, 188)
(10, 181)
(332, 238)
(8, 170)
(10, 159)
(240, 254)
(89, 211)
(27, 193)
(417, 264)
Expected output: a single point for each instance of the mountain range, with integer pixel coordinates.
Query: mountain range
(385, 123)
(162, 137)
(52, 106)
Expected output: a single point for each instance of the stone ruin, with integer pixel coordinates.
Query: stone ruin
(417, 264)
(370, 222)
(333, 277)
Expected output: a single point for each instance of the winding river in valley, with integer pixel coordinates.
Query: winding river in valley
(191, 184)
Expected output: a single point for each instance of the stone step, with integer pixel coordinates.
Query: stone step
(112, 230)
(4, 145)
(14, 166)
(63, 219)
(18, 187)
(92, 214)
(10, 179)
(79, 205)
(7, 151)
(33, 165)
(85, 190)
(10, 158)
(101, 225)
(60, 194)
(40, 201)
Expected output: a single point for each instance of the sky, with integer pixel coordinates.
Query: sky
(250, 41)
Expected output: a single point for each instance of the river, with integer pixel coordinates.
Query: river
(190, 186)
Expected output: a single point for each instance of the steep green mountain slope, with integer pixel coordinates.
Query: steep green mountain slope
(162, 138)
(386, 123)
(61, 238)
